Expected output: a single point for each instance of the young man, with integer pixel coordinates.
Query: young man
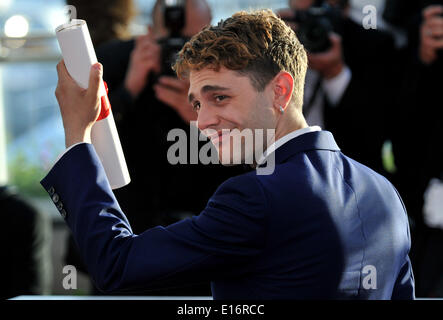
(321, 226)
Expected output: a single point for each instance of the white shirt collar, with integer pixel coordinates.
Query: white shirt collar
(284, 139)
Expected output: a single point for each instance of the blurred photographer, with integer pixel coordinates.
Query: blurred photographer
(347, 83)
(151, 55)
(417, 136)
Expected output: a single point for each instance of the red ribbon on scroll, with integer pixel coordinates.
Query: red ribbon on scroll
(105, 105)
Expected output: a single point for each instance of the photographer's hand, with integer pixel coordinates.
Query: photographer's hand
(174, 93)
(330, 63)
(431, 34)
(79, 107)
(144, 58)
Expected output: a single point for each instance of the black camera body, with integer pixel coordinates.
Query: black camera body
(174, 17)
(315, 24)
(170, 46)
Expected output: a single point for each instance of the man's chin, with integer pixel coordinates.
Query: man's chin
(230, 159)
(229, 164)
(224, 161)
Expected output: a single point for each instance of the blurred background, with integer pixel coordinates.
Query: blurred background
(31, 131)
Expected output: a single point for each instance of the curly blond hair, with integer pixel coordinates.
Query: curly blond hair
(257, 44)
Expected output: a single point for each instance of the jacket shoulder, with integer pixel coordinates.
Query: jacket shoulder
(242, 187)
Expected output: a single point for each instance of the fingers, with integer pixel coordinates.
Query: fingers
(434, 22)
(436, 33)
(145, 42)
(150, 33)
(328, 63)
(61, 68)
(432, 26)
(146, 53)
(147, 46)
(164, 94)
(433, 43)
(174, 83)
(314, 60)
(177, 99)
(148, 62)
(65, 81)
(332, 52)
(321, 57)
(335, 38)
(146, 56)
(285, 13)
(431, 33)
(62, 72)
(95, 78)
(168, 96)
(432, 11)
(140, 39)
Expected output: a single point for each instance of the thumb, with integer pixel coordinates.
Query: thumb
(335, 38)
(95, 78)
(432, 10)
(150, 32)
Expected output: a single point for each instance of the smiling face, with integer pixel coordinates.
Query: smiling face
(226, 100)
(246, 74)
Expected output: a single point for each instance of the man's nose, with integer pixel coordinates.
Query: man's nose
(207, 118)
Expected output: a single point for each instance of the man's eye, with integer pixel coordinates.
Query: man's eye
(196, 106)
(220, 98)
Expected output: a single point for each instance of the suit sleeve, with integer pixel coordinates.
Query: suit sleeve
(217, 244)
(404, 285)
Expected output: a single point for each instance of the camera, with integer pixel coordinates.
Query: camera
(315, 24)
(174, 17)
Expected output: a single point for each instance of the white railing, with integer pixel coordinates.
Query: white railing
(32, 48)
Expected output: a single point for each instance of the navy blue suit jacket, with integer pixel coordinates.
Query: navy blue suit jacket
(322, 226)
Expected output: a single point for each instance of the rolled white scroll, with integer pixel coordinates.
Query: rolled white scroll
(79, 55)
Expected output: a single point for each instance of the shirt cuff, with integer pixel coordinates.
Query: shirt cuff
(335, 88)
(64, 152)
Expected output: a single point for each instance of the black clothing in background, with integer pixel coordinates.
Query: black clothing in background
(402, 13)
(416, 138)
(419, 158)
(359, 120)
(26, 257)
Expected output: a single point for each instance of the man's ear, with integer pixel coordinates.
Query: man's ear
(283, 87)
